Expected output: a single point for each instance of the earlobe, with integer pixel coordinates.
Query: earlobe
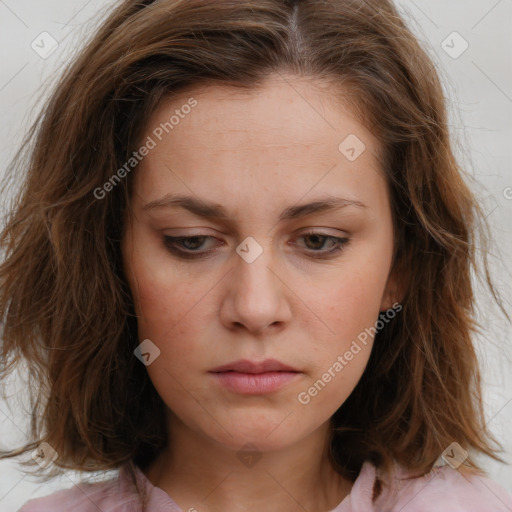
(387, 303)
(393, 293)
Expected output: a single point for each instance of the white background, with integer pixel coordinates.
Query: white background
(478, 84)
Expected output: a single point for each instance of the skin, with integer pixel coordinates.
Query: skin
(257, 153)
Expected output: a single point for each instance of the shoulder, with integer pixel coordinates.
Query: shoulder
(110, 496)
(447, 489)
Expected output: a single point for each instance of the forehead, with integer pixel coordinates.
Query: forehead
(294, 109)
(288, 134)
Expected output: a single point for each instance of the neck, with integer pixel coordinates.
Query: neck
(201, 475)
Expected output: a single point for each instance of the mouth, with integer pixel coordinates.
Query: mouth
(254, 378)
(255, 367)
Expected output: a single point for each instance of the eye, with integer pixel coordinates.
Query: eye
(318, 241)
(189, 247)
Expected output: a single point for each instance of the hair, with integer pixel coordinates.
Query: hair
(65, 304)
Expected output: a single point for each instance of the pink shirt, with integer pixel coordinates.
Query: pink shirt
(445, 490)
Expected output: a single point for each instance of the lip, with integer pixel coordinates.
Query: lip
(254, 383)
(254, 378)
(247, 366)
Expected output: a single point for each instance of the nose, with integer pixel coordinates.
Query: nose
(257, 296)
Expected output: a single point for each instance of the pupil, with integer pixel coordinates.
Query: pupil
(317, 238)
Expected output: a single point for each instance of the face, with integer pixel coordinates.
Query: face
(239, 269)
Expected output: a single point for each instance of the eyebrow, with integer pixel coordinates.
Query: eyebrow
(209, 210)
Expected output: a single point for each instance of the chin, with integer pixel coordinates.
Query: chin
(265, 436)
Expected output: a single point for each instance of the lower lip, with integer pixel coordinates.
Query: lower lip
(254, 383)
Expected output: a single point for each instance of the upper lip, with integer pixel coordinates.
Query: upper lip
(247, 366)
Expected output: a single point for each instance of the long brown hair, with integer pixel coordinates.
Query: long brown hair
(64, 301)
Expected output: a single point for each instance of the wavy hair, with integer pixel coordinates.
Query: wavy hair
(65, 304)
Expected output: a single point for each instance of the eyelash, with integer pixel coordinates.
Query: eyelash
(170, 243)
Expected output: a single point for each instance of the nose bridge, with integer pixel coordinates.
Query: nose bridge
(255, 259)
(256, 291)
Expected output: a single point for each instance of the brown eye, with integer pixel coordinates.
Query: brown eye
(189, 247)
(186, 246)
(317, 243)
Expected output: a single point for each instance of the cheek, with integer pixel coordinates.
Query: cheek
(166, 309)
(349, 304)
(161, 292)
(350, 308)
(171, 309)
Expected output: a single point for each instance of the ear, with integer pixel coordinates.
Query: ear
(393, 292)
